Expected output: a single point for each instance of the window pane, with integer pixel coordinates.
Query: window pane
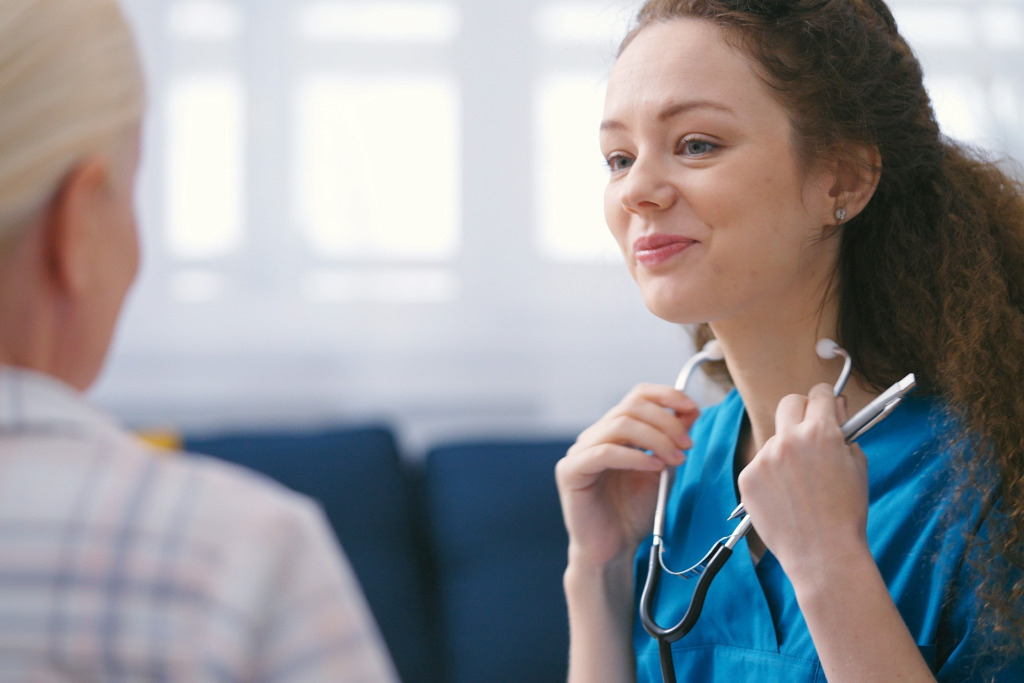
(571, 172)
(961, 107)
(377, 167)
(204, 20)
(204, 160)
(432, 22)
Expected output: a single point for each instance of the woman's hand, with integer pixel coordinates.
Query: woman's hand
(606, 482)
(806, 490)
(807, 493)
(608, 487)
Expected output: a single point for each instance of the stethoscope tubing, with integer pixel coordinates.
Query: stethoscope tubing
(718, 556)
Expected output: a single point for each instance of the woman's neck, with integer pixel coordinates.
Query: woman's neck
(773, 362)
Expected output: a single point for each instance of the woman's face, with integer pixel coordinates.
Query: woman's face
(716, 217)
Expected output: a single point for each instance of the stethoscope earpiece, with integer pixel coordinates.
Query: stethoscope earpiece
(826, 349)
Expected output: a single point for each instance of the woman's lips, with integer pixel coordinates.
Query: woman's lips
(655, 249)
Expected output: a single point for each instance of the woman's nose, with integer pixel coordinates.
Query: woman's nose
(646, 187)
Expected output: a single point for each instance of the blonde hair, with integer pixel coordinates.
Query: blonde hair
(70, 81)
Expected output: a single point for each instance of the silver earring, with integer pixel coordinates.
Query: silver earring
(840, 214)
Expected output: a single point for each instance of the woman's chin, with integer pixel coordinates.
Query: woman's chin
(674, 312)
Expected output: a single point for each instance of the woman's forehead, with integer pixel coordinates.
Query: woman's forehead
(681, 61)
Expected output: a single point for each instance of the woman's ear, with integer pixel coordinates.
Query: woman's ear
(855, 179)
(74, 225)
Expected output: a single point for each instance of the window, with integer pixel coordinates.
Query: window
(372, 181)
(307, 146)
(205, 161)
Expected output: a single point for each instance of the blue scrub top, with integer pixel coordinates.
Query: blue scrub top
(751, 627)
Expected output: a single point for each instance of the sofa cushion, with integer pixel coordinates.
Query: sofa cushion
(500, 548)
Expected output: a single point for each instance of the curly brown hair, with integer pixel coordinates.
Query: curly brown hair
(931, 273)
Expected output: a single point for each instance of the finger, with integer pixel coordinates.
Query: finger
(664, 421)
(821, 404)
(684, 407)
(790, 411)
(579, 469)
(653, 404)
(634, 433)
(662, 395)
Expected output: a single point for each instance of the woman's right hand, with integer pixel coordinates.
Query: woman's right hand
(608, 485)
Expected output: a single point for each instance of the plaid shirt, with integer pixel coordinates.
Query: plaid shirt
(117, 563)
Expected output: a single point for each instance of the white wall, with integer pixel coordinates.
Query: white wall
(483, 295)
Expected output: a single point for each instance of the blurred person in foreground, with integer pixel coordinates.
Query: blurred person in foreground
(116, 563)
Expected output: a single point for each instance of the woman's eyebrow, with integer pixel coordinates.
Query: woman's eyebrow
(673, 110)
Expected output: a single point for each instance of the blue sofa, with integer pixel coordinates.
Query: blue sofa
(460, 555)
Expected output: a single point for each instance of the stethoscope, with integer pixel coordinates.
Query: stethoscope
(705, 570)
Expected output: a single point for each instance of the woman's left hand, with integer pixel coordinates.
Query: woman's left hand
(806, 490)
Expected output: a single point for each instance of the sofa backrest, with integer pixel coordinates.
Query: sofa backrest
(500, 548)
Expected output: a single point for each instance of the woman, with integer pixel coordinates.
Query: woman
(118, 563)
(776, 172)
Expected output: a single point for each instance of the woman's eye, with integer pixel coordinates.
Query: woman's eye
(696, 147)
(617, 162)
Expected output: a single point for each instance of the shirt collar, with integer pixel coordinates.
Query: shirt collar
(30, 399)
